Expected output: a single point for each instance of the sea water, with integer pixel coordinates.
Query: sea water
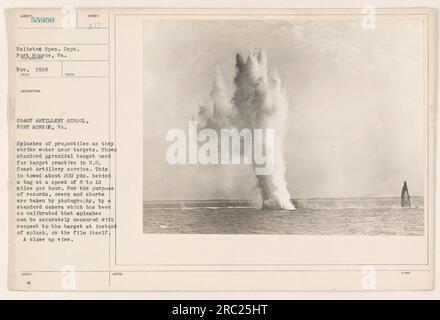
(344, 216)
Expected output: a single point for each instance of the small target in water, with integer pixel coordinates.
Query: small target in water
(405, 201)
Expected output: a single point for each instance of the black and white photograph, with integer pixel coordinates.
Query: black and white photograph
(299, 127)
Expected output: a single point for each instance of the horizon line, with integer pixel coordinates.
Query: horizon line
(312, 198)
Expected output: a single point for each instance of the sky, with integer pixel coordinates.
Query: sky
(355, 120)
